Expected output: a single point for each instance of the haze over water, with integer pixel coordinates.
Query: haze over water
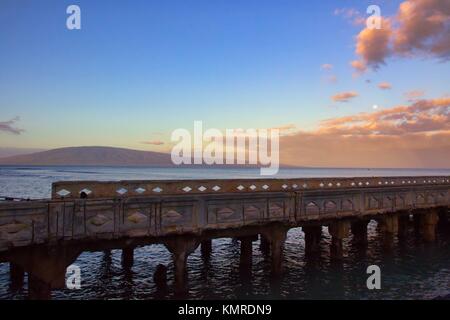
(410, 269)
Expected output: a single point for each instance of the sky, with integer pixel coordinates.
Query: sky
(138, 70)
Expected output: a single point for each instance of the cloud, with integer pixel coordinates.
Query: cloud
(413, 95)
(414, 150)
(359, 66)
(415, 135)
(351, 15)
(326, 66)
(286, 129)
(384, 86)
(421, 116)
(419, 28)
(424, 28)
(8, 126)
(154, 142)
(331, 79)
(344, 96)
(372, 46)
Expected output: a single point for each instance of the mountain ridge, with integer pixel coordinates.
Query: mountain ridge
(91, 155)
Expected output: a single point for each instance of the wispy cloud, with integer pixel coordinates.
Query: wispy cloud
(153, 142)
(9, 126)
(351, 15)
(326, 66)
(344, 96)
(384, 86)
(421, 116)
(414, 95)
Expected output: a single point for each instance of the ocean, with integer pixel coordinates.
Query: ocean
(410, 269)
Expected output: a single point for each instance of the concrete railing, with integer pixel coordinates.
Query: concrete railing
(134, 188)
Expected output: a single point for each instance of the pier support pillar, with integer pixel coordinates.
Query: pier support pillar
(443, 216)
(338, 231)
(206, 248)
(46, 267)
(246, 251)
(264, 245)
(388, 226)
(38, 289)
(429, 221)
(181, 247)
(160, 280)
(312, 239)
(16, 274)
(359, 231)
(403, 224)
(127, 258)
(245, 263)
(276, 235)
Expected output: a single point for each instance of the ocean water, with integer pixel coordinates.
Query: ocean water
(410, 268)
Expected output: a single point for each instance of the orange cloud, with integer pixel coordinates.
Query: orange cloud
(414, 95)
(420, 28)
(154, 142)
(372, 45)
(327, 66)
(8, 126)
(344, 96)
(384, 86)
(411, 136)
(359, 66)
(424, 28)
(422, 116)
(331, 78)
(414, 150)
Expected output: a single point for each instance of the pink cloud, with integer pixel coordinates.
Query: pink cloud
(420, 28)
(344, 96)
(384, 86)
(415, 135)
(154, 142)
(413, 95)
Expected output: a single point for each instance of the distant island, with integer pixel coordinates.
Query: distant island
(91, 156)
(96, 156)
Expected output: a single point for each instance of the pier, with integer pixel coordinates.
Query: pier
(41, 238)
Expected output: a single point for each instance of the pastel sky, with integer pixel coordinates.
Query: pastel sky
(137, 70)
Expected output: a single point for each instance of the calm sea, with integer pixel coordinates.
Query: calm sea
(410, 269)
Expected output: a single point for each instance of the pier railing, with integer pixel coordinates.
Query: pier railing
(130, 188)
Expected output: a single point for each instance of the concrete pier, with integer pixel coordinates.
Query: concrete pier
(42, 238)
